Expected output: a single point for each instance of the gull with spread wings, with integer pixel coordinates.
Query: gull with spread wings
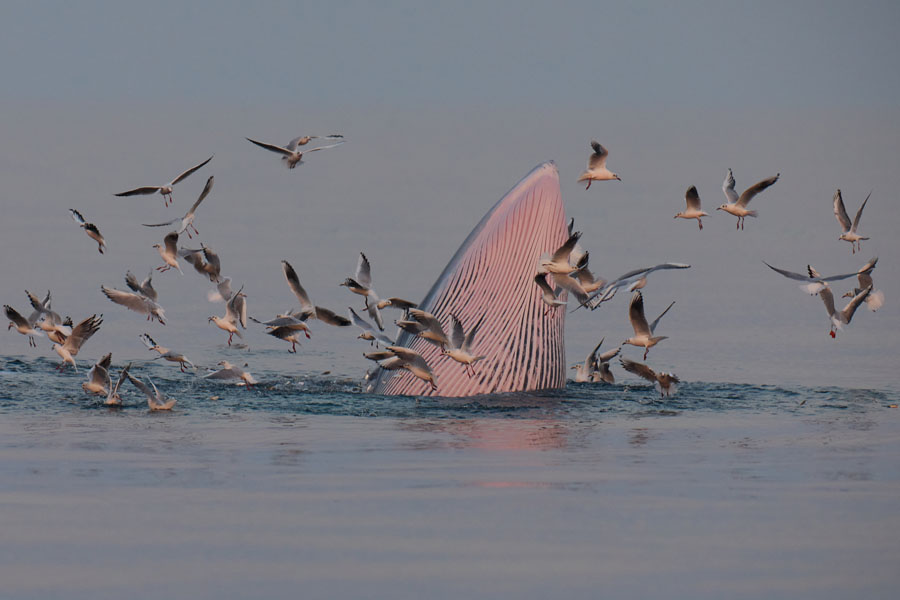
(164, 190)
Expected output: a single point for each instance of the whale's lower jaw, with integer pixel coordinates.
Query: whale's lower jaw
(492, 276)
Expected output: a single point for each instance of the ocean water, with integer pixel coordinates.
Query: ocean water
(304, 486)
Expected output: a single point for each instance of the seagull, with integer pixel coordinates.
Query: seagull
(80, 334)
(90, 229)
(398, 303)
(849, 233)
(559, 262)
(235, 313)
(305, 139)
(460, 346)
(875, 299)
(291, 156)
(155, 400)
(137, 302)
(643, 334)
(21, 324)
(288, 334)
(362, 285)
(596, 166)
(369, 332)
(737, 206)
(144, 288)
(230, 371)
(813, 282)
(838, 319)
(98, 377)
(168, 250)
(165, 190)
(188, 219)
(413, 362)
(307, 310)
(549, 296)
(425, 325)
(165, 353)
(692, 211)
(635, 280)
(50, 322)
(666, 383)
(603, 374)
(113, 398)
(589, 283)
(587, 370)
(205, 261)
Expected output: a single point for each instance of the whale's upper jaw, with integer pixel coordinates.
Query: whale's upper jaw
(491, 276)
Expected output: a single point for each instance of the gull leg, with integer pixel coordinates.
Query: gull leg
(738, 224)
(646, 350)
(589, 184)
(230, 335)
(700, 223)
(195, 229)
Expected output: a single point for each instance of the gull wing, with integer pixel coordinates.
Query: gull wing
(847, 312)
(410, 357)
(639, 369)
(82, 333)
(470, 337)
(14, 316)
(294, 283)
(571, 285)
(359, 321)
(272, 148)
(129, 300)
(597, 160)
(77, 216)
(171, 243)
(755, 189)
(206, 189)
(859, 214)
(114, 391)
(840, 212)
(541, 280)
(562, 254)
(185, 175)
(457, 335)
(728, 188)
(173, 221)
(140, 385)
(827, 298)
(364, 271)
(661, 315)
(148, 341)
(323, 147)
(330, 318)
(141, 191)
(608, 355)
(636, 315)
(692, 198)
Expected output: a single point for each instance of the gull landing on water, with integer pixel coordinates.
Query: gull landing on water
(596, 167)
(165, 353)
(230, 371)
(692, 200)
(643, 333)
(113, 398)
(80, 334)
(90, 229)
(849, 230)
(736, 205)
(164, 190)
(290, 155)
(592, 369)
(98, 377)
(155, 400)
(665, 382)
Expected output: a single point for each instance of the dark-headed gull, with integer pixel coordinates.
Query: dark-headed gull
(165, 190)
(692, 209)
(643, 333)
(596, 166)
(849, 229)
(737, 205)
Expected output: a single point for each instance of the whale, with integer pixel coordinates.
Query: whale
(490, 280)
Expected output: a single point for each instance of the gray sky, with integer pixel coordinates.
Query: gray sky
(445, 108)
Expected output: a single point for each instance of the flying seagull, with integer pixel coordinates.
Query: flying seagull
(849, 230)
(736, 205)
(187, 221)
(634, 280)
(90, 229)
(460, 346)
(692, 209)
(292, 156)
(665, 382)
(165, 190)
(643, 333)
(596, 166)
(875, 299)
